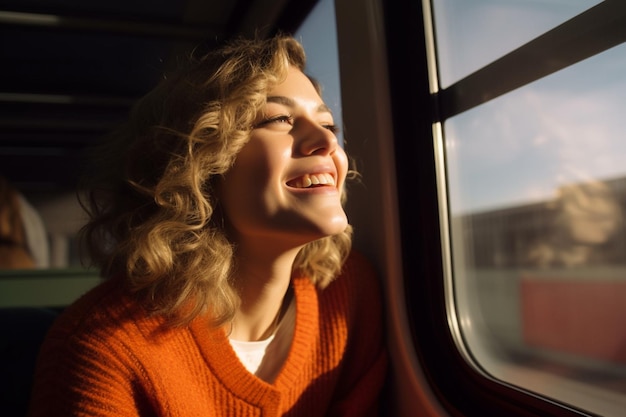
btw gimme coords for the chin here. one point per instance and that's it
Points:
(334, 228)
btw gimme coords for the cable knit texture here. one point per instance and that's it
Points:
(106, 357)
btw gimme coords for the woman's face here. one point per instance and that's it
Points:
(286, 183)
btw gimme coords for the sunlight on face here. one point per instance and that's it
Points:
(286, 183)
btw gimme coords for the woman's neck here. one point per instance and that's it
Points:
(262, 281)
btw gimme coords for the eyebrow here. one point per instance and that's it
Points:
(286, 101)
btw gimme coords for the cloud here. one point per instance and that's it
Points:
(518, 148)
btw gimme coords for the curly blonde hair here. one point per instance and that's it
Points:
(152, 202)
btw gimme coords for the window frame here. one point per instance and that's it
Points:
(418, 109)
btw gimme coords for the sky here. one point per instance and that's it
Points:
(318, 35)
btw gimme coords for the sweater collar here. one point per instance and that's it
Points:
(224, 364)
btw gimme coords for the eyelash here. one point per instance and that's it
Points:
(281, 118)
(289, 119)
(333, 128)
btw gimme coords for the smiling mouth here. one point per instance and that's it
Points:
(312, 180)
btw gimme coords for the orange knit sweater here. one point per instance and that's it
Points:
(105, 357)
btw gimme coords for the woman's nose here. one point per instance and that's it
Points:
(316, 139)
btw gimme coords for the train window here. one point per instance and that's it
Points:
(536, 192)
(472, 34)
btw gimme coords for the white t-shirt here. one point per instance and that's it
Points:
(264, 358)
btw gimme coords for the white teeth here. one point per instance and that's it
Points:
(314, 179)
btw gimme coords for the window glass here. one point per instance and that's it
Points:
(471, 34)
(318, 35)
(537, 194)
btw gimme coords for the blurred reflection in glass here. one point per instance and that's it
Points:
(586, 216)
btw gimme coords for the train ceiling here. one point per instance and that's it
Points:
(70, 69)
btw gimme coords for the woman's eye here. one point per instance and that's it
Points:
(280, 119)
(287, 119)
(333, 128)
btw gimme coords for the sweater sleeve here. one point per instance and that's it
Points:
(365, 363)
(87, 374)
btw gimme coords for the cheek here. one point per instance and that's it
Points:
(252, 177)
(262, 157)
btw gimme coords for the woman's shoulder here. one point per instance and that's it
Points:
(357, 271)
(358, 285)
(359, 263)
(106, 311)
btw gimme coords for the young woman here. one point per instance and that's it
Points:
(217, 218)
